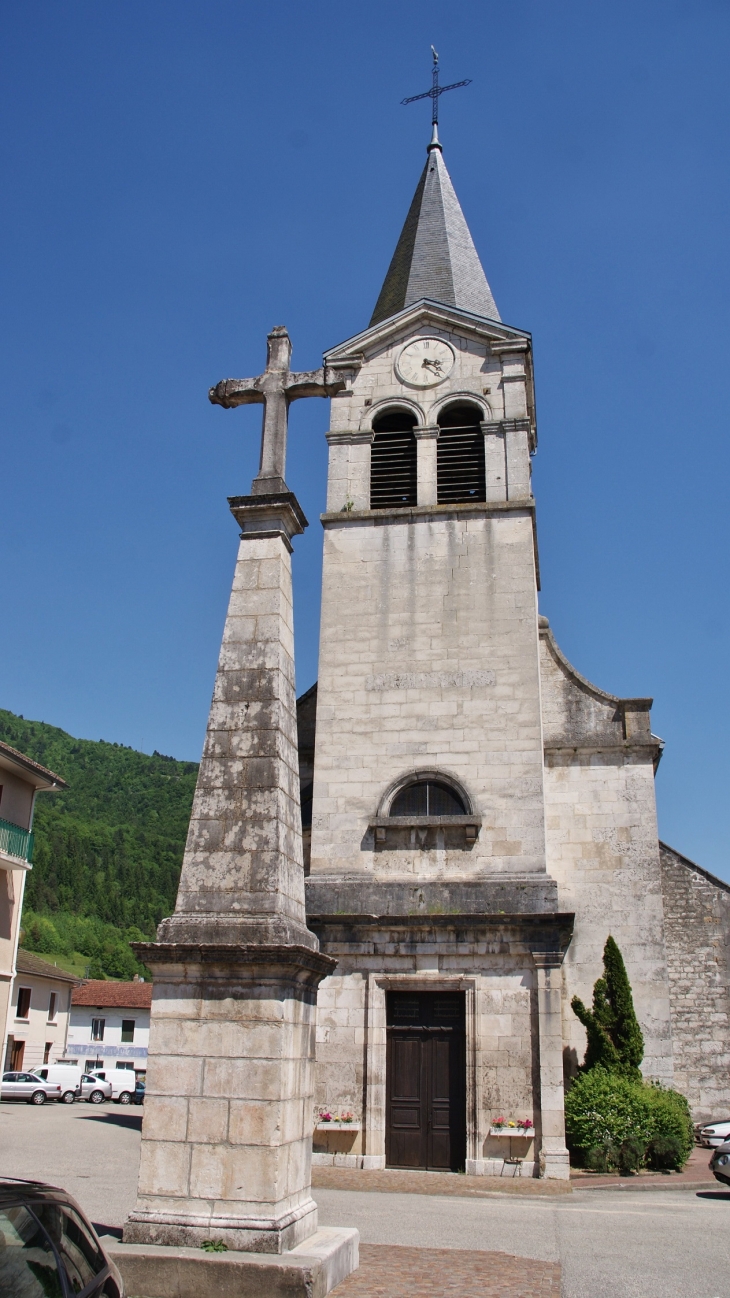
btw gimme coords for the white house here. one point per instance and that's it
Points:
(40, 1002)
(109, 1025)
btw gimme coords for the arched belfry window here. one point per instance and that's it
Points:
(460, 455)
(427, 798)
(393, 473)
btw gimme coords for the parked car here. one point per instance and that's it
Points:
(67, 1076)
(48, 1247)
(138, 1097)
(26, 1086)
(720, 1163)
(122, 1082)
(715, 1134)
(94, 1089)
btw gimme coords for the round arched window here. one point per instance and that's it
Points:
(427, 798)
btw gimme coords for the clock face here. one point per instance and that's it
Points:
(425, 362)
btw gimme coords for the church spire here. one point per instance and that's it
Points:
(435, 256)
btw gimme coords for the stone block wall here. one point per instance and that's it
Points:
(602, 848)
(697, 934)
(428, 661)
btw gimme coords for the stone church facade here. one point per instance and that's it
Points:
(478, 816)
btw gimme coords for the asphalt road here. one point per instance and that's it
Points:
(610, 1243)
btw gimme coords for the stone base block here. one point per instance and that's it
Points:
(337, 1160)
(250, 1235)
(555, 1165)
(309, 1271)
(525, 1167)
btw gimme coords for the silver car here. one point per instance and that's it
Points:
(715, 1134)
(24, 1086)
(93, 1089)
(720, 1163)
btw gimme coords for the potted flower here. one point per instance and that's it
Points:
(346, 1116)
(499, 1123)
(325, 1115)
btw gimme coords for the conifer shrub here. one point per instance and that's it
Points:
(615, 1040)
(613, 1118)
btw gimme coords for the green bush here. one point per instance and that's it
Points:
(671, 1119)
(631, 1156)
(604, 1109)
(602, 1158)
(664, 1154)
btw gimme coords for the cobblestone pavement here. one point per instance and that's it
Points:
(391, 1272)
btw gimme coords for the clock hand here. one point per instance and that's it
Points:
(430, 364)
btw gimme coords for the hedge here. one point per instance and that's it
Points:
(605, 1109)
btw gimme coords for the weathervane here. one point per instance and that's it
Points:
(434, 93)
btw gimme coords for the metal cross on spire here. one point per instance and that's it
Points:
(434, 94)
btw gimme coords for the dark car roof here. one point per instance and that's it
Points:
(13, 1190)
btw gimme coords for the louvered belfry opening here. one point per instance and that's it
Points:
(460, 456)
(393, 473)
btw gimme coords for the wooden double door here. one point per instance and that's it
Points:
(426, 1080)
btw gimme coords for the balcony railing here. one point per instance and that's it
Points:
(16, 841)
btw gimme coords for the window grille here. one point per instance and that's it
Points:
(393, 471)
(427, 798)
(460, 456)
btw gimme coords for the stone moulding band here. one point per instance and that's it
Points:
(273, 514)
(214, 1221)
(478, 509)
(186, 953)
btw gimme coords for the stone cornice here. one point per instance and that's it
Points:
(407, 513)
(278, 514)
(299, 959)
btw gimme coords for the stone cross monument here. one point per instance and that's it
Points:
(275, 388)
(226, 1147)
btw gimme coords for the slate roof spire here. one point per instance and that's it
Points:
(435, 256)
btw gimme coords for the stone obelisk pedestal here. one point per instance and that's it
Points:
(227, 1135)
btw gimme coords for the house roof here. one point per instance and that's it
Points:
(435, 255)
(39, 775)
(113, 995)
(28, 962)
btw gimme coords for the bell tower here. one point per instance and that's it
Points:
(428, 880)
(429, 635)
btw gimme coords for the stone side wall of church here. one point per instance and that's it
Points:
(602, 849)
(697, 929)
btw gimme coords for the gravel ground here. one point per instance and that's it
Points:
(611, 1244)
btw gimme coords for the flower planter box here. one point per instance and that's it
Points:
(336, 1126)
(527, 1132)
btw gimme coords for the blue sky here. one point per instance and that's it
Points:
(181, 177)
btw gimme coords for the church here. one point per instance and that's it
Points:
(478, 817)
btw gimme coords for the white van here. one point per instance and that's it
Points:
(123, 1082)
(66, 1075)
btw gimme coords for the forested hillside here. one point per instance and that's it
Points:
(109, 848)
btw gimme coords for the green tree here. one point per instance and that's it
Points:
(615, 1040)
